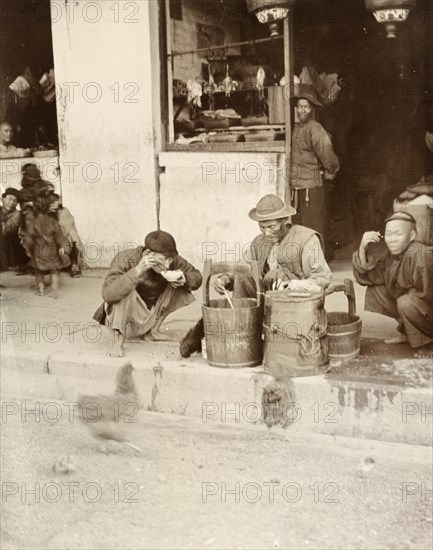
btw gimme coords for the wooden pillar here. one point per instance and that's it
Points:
(170, 61)
(288, 91)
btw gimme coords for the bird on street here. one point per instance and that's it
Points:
(112, 417)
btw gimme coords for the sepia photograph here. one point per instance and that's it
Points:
(216, 274)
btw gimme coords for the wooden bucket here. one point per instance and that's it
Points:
(344, 335)
(233, 334)
(296, 342)
(344, 329)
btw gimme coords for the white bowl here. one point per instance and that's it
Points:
(172, 275)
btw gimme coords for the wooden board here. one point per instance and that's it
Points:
(257, 146)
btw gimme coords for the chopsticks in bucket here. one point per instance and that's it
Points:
(226, 294)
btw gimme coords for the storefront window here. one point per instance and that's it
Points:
(28, 122)
(225, 78)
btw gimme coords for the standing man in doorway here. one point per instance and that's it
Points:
(312, 157)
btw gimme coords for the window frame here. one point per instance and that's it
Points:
(167, 106)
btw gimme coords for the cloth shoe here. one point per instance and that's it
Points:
(191, 343)
(75, 270)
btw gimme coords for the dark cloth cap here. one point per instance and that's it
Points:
(11, 191)
(404, 216)
(31, 171)
(162, 242)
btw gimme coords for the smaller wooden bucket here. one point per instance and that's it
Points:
(344, 329)
(344, 335)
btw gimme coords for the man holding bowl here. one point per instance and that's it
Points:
(143, 286)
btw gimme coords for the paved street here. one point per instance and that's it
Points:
(198, 485)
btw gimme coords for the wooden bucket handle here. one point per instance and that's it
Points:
(349, 290)
(210, 269)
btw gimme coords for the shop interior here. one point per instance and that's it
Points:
(27, 98)
(377, 120)
(231, 86)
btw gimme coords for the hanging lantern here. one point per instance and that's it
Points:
(390, 12)
(270, 12)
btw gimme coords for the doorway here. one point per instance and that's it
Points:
(27, 99)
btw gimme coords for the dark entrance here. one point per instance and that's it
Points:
(379, 121)
(26, 51)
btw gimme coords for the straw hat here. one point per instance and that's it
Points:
(306, 91)
(270, 207)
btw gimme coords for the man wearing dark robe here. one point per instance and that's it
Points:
(313, 160)
(400, 283)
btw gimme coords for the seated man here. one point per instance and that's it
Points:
(7, 150)
(14, 255)
(400, 283)
(285, 254)
(136, 291)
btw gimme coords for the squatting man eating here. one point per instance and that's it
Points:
(143, 286)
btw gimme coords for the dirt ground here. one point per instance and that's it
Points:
(205, 486)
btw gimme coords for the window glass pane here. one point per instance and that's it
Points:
(221, 76)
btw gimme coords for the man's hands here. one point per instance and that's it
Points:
(222, 283)
(329, 176)
(180, 282)
(369, 237)
(148, 261)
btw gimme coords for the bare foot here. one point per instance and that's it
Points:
(117, 350)
(54, 295)
(118, 339)
(39, 293)
(158, 336)
(398, 339)
(424, 352)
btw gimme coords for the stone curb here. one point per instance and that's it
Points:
(191, 388)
